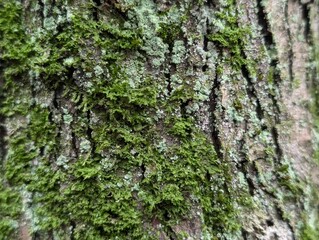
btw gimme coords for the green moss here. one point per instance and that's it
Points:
(309, 233)
(10, 208)
(230, 36)
(309, 226)
(11, 34)
(131, 168)
(169, 32)
(287, 179)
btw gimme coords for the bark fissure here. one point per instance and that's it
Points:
(265, 28)
(41, 10)
(3, 134)
(306, 18)
(89, 131)
(290, 56)
(244, 234)
(213, 101)
(251, 185)
(275, 136)
(205, 47)
(95, 10)
(252, 92)
(74, 145)
(169, 83)
(3, 131)
(270, 46)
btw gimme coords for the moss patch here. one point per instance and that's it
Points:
(133, 157)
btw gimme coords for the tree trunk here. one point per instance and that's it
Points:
(156, 119)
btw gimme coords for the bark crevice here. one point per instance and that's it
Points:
(290, 57)
(213, 102)
(306, 18)
(265, 28)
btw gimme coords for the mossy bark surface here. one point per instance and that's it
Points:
(144, 119)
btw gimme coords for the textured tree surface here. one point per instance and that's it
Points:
(156, 119)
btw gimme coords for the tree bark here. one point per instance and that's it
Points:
(155, 119)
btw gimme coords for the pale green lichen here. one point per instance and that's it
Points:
(67, 118)
(85, 145)
(179, 52)
(62, 161)
(98, 70)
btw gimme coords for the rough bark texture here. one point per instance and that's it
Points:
(155, 119)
